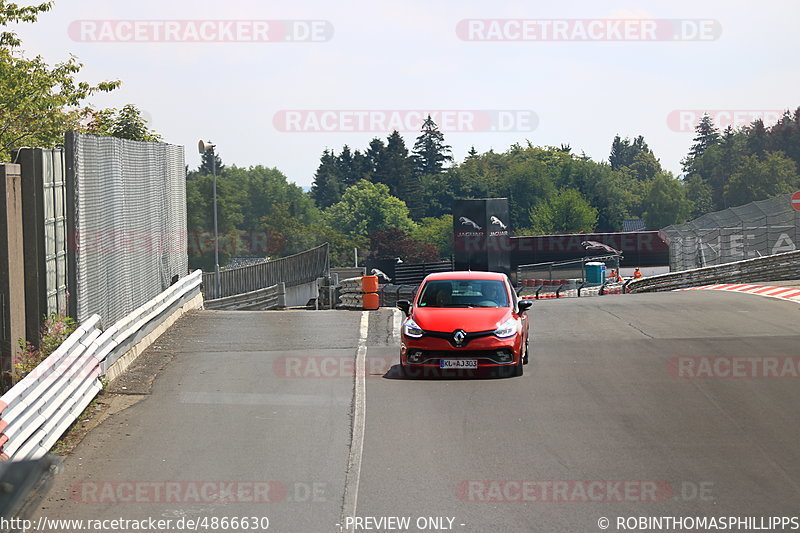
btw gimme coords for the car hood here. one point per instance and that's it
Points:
(469, 319)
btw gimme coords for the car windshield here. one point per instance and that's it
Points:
(464, 293)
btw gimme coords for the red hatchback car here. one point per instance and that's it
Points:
(465, 321)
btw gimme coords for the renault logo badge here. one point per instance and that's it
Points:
(459, 335)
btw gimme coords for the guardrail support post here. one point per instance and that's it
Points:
(625, 286)
(281, 295)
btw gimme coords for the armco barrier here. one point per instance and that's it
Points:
(35, 412)
(359, 293)
(391, 294)
(770, 268)
(260, 300)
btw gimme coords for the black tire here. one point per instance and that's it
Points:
(519, 368)
(527, 350)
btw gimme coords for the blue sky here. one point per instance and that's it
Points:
(387, 55)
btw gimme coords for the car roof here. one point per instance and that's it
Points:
(466, 275)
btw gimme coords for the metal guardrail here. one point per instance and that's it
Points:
(573, 268)
(293, 270)
(358, 293)
(260, 300)
(35, 412)
(770, 268)
(390, 294)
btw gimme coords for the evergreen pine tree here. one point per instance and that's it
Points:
(706, 134)
(375, 154)
(347, 170)
(327, 188)
(394, 167)
(624, 152)
(205, 166)
(430, 152)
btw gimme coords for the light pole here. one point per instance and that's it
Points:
(204, 147)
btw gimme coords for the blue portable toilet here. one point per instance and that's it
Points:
(595, 273)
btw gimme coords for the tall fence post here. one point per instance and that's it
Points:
(12, 265)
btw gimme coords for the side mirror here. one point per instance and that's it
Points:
(524, 305)
(405, 305)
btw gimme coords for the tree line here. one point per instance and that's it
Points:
(389, 201)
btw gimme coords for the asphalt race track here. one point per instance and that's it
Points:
(653, 405)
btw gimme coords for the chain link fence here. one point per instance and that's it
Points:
(756, 229)
(126, 201)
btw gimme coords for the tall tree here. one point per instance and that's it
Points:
(706, 135)
(362, 166)
(368, 207)
(624, 151)
(665, 202)
(761, 178)
(327, 187)
(38, 103)
(210, 164)
(375, 155)
(566, 212)
(430, 151)
(347, 172)
(126, 123)
(395, 168)
(757, 138)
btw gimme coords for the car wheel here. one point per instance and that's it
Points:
(519, 369)
(527, 350)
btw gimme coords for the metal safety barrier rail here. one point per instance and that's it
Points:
(391, 294)
(770, 268)
(359, 293)
(36, 411)
(261, 300)
(571, 268)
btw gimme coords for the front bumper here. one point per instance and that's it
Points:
(490, 351)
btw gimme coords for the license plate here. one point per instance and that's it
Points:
(458, 363)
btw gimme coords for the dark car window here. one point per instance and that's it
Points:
(464, 293)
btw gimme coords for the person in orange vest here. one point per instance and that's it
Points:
(614, 277)
(637, 274)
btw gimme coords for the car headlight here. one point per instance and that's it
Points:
(411, 329)
(507, 328)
